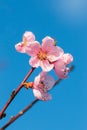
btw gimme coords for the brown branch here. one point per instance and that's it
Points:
(19, 114)
(14, 118)
(14, 93)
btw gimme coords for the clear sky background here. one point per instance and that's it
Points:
(66, 21)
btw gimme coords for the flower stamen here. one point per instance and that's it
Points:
(42, 55)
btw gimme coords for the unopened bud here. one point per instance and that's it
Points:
(28, 85)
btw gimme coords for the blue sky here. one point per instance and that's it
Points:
(66, 21)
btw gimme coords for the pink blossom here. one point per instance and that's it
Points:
(60, 66)
(28, 38)
(67, 58)
(44, 55)
(42, 84)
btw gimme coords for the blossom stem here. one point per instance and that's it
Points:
(14, 118)
(19, 114)
(14, 93)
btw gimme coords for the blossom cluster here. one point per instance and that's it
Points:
(48, 56)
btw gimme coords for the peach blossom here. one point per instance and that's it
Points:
(44, 55)
(42, 84)
(28, 38)
(60, 66)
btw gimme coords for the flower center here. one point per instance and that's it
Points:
(42, 87)
(42, 55)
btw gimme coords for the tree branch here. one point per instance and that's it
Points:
(14, 118)
(14, 93)
(19, 114)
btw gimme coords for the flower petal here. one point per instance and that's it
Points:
(20, 47)
(45, 80)
(46, 66)
(55, 53)
(47, 43)
(60, 69)
(36, 81)
(28, 36)
(41, 96)
(37, 94)
(46, 96)
(48, 82)
(67, 58)
(34, 62)
(33, 49)
(39, 78)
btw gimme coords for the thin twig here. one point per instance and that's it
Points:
(14, 93)
(19, 114)
(14, 118)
